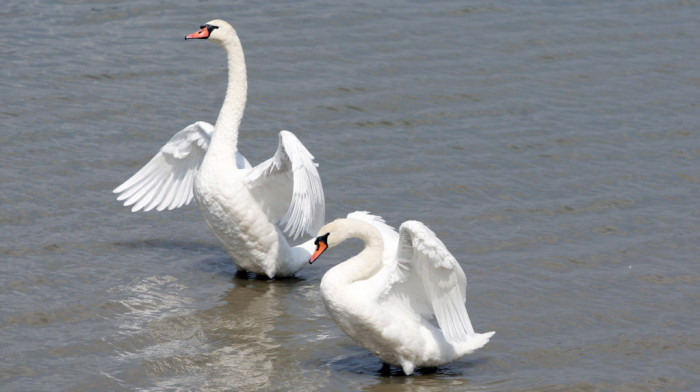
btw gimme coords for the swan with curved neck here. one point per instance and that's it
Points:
(402, 297)
(248, 209)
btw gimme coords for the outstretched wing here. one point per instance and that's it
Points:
(166, 181)
(433, 280)
(289, 188)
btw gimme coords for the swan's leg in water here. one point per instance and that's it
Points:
(385, 370)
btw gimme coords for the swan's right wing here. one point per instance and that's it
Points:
(166, 181)
(433, 280)
(289, 188)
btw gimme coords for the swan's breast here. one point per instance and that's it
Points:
(237, 220)
(389, 329)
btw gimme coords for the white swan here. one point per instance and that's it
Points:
(403, 297)
(242, 204)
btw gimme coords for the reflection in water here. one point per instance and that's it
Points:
(260, 335)
(226, 346)
(360, 363)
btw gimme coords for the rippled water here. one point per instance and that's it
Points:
(554, 148)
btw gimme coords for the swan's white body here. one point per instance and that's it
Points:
(242, 204)
(403, 297)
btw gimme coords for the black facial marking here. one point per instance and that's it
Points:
(322, 238)
(209, 28)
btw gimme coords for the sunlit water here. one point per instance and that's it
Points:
(553, 147)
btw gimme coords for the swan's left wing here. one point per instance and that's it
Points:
(289, 188)
(166, 180)
(433, 280)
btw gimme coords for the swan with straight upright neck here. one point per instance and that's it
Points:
(247, 208)
(402, 297)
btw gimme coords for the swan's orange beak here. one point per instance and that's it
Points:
(203, 32)
(321, 246)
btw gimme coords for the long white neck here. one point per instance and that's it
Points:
(225, 139)
(363, 265)
(298, 256)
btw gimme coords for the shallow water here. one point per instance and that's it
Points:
(554, 148)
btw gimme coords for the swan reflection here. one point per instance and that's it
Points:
(223, 347)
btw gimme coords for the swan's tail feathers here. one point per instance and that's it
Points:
(474, 342)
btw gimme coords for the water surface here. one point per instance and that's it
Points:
(554, 148)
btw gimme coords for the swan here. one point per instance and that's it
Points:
(402, 297)
(244, 206)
